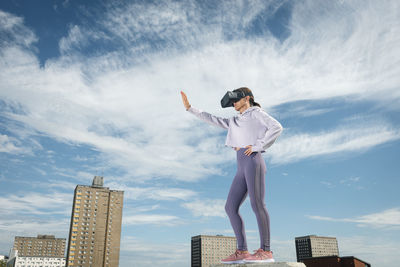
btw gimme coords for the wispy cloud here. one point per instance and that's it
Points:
(36, 203)
(294, 147)
(32, 227)
(14, 31)
(206, 207)
(388, 219)
(148, 215)
(378, 251)
(142, 252)
(303, 111)
(353, 182)
(74, 40)
(153, 192)
(151, 219)
(12, 145)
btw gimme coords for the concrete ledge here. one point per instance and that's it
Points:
(270, 264)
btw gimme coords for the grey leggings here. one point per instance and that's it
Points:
(249, 179)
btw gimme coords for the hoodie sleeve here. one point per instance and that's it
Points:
(209, 118)
(274, 129)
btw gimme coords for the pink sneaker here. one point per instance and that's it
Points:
(237, 257)
(260, 256)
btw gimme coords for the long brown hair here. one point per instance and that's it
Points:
(248, 92)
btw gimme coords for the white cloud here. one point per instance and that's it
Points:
(351, 138)
(36, 203)
(60, 184)
(74, 40)
(388, 219)
(376, 250)
(352, 182)
(12, 145)
(142, 252)
(14, 31)
(151, 219)
(182, 25)
(328, 184)
(303, 111)
(153, 192)
(207, 207)
(32, 227)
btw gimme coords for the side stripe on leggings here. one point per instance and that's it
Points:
(258, 187)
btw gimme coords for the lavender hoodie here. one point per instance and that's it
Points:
(253, 127)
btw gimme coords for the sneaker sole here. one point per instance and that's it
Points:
(255, 261)
(232, 262)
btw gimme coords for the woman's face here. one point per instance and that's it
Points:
(241, 103)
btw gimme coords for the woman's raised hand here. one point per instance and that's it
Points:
(185, 100)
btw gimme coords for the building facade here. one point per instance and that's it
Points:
(315, 246)
(95, 229)
(17, 261)
(207, 250)
(40, 246)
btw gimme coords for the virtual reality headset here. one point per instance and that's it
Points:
(232, 97)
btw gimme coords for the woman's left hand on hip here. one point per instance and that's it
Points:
(248, 151)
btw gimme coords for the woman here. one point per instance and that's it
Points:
(250, 133)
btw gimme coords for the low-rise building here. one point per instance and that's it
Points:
(36, 262)
(40, 251)
(208, 250)
(316, 246)
(335, 261)
(40, 246)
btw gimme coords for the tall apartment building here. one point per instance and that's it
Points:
(95, 230)
(40, 246)
(208, 250)
(315, 246)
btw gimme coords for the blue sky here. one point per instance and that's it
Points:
(92, 87)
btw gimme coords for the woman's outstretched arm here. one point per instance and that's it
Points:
(207, 117)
